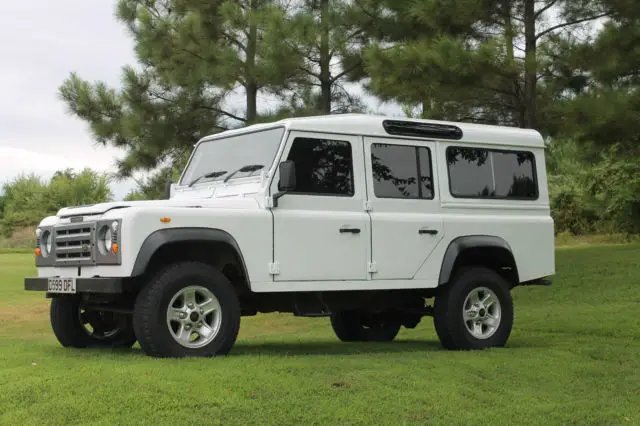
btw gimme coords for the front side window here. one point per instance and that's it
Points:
(241, 155)
(485, 173)
(323, 166)
(401, 171)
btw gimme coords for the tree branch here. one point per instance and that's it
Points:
(210, 108)
(365, 11)
(356, 33)
(311, 73)
(345, 72)
(549, 5)
(500, 91)
(234, 41)
(567, 24)
(223, 112)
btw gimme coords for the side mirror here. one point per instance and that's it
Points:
(287, 176)
(167, 189)
(287, 180)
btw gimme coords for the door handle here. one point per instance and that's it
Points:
(428, 231)
(345, 229)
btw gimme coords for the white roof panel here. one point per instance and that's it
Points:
(371, 125)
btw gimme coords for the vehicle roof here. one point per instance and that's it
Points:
(372, 125)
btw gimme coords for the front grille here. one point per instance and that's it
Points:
(73, 244)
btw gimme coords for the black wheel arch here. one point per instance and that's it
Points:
(482, 250)
(197, 235)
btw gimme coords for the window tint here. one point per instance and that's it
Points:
(323, 167)
(401, 171)
(483, 173)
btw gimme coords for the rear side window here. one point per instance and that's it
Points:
(486, 173)
(401, 171)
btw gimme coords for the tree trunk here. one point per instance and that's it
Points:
(515, 101)
(530, 65)
(251, 87)
(325, 59)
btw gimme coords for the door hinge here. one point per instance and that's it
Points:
(274, 268)
(367, 206)
(268, 202)
(371, 267)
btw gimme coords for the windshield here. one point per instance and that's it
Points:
(214, 159)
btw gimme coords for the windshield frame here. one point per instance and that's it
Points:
(235, 133)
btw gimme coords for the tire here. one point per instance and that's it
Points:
(108, 330)
(209, 305)
(351, 326)
(455, 303)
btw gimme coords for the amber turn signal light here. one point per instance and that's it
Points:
(38, 251)
(165, 219)
(114, 248)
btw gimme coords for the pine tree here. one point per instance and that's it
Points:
(328, 36)
(193, 55)
(476, 60)
(606, 112)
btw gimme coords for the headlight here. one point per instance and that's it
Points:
(46, 243)
(105, 240)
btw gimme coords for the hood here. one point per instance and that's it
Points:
(100, 208)
(234, 196)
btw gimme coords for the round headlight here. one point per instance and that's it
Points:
(46, 243)
(105, 240)
(108, 239)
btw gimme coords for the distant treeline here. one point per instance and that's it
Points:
(28, 199)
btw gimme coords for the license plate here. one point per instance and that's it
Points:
(62, 285)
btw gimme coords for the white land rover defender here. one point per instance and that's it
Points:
(360, 218)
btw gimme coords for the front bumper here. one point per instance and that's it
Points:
(83, 285)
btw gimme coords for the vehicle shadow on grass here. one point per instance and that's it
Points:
(333, 348)
(323, 348)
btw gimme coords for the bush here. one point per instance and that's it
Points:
(616, 188)
(593, 193)
(27, 199)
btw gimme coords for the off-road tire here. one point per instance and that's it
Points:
(349, 326)
(149, 317)
(448, 309)
(67, 326)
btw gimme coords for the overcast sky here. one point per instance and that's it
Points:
(40, 43)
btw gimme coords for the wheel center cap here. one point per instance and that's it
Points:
(194, 316)
(482, 312)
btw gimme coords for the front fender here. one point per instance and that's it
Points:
(162, 237)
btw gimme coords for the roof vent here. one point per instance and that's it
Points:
(422, 130)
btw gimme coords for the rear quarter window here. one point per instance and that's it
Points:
(491, 173)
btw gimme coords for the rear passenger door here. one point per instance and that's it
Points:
(402, 193)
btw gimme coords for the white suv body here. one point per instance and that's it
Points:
(317, 216)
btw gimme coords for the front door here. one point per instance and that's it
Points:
(321, 230)
(405, 211)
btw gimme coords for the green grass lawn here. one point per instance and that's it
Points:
(573, 358)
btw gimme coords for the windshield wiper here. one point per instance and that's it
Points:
(207, 175)
(247, 168)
